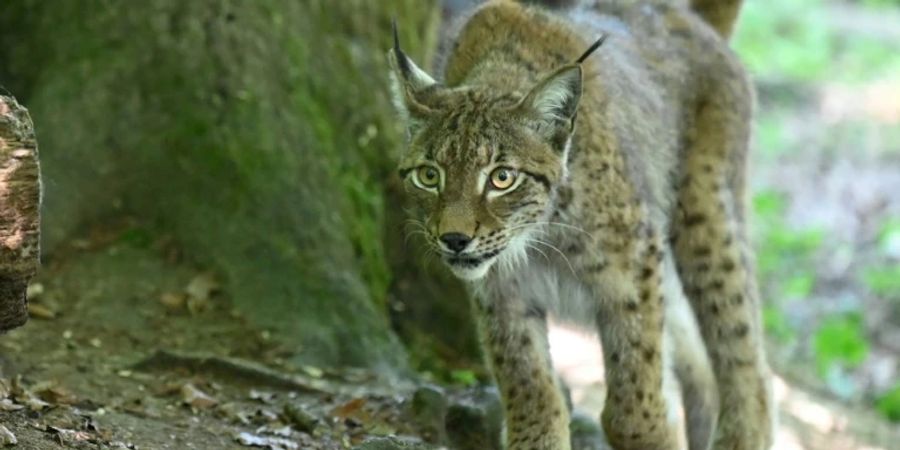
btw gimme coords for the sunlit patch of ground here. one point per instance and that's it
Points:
(808, 421)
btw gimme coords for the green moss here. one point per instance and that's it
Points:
(235, 127)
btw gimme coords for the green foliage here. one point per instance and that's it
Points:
(840, 340)
(883, 281)
(889, 404)
(137, 236)
(796, 40)
(769, 205)
(782, 250)
(785, 258)
(890, 231)
(772, 137)
(795, 242)
(882, 3)
(785, 38)
(864, 58)
(799, 285)
(777, 325)
(464, 377)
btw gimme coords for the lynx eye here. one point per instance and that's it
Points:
(502, 178)
(428, 177)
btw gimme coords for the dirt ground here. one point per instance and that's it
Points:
(154, 358)
(86, 371)
(129, 346)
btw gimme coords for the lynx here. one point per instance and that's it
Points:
(608, 190)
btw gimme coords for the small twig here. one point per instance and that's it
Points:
(234, 369)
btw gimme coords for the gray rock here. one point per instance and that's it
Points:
(428, 411)
(476, 421)
(393, 443)
(587, 434)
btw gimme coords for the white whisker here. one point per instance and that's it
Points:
(528, 244)
(556, 224)
(563, 255)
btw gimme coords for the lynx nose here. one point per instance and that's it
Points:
(455, 241)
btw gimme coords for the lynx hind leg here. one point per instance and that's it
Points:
(690, 362)
(715, 263)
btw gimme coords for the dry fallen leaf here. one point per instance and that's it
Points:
(202, 286)
(197, 305)
(233, 413)
(33, 403)
(88, 424)
(274, 443)
(8, 405)
(299, 418)
(39, 311)
(284, 431)
(262, 396)
(264, 415)
(34, 290)
(65, 434)
(349, 409)
(25, 397)
(313, 371)
(196, 398)
(6, 437)
(53, 394)
(173, 301)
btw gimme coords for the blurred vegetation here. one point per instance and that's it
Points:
(799, 40)
(796, 50)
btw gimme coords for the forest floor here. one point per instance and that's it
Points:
(155, 358)
(131, 347)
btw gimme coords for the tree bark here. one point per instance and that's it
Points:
(20, 200)
(259, 134)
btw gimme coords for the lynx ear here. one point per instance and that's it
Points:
(550, 108)
(407, 83)
(552, 104)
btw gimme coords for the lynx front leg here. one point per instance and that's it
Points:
(637, 414)
(515, 339)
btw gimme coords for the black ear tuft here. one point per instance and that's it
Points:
(408, 82)
(587, 53)
(396, 36)
(402, 60)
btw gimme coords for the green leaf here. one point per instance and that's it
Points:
(890, 231)
(889, 404)
(777, 324)
(464, 377)
(138, 237)
(797, 242)
(799, 286)
(883, 281)
(840, 340)
(768, 204)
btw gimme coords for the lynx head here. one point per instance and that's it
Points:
(481, 165)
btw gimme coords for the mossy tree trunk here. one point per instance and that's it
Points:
(258, 134)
